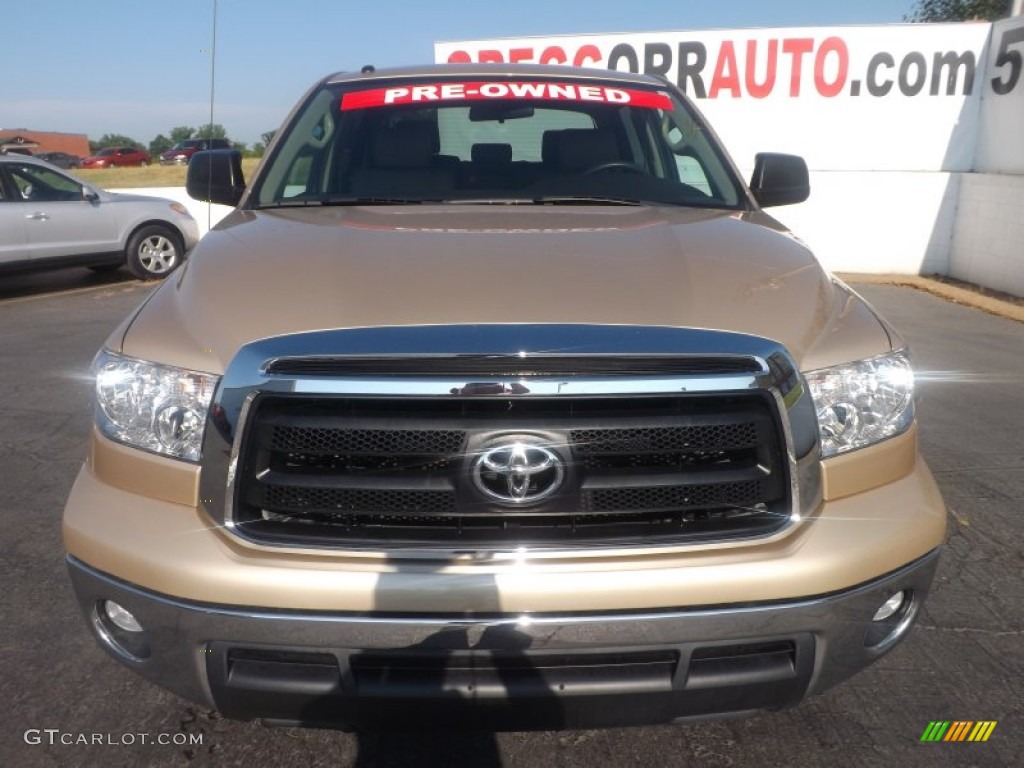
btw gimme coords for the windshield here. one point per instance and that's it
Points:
(502, 141)
(105, 152)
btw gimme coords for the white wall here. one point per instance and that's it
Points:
(988, 236)
(877, 221)
(988, 239)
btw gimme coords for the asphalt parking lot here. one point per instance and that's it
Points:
(964, 661)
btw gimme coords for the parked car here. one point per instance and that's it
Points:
(49, 220)
(182, 152)
(500, 401)
(60, 159)
(113, 157)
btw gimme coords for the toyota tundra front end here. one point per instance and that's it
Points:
(499, 402)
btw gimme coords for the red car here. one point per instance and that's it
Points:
(112, 157)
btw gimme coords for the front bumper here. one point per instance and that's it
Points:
(504, 671)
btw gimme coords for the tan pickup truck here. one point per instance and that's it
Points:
(499, 402)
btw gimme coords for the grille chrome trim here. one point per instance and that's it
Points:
(247, 377)
(500, 365)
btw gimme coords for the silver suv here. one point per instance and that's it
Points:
(49, 219)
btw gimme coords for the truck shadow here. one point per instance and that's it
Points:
(450, 690)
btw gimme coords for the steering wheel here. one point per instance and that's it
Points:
(613, 165)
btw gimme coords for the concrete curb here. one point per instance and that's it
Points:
(968, 294)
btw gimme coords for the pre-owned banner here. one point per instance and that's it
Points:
(904, 97)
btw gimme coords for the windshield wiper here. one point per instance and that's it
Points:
(375, 200)
(547, 200)
(586, 200)
(323, 201)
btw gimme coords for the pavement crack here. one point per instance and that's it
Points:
(978, 630)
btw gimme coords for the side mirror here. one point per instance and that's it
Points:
(215, 176)
(90, 195)
(779, 179)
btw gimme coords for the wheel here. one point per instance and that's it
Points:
(613, 165)
(153, 252)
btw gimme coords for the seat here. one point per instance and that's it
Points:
(490, 168)
(401, 164)
(577, 149)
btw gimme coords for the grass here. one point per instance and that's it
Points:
(155, 175)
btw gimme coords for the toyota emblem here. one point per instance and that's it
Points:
(518, 473)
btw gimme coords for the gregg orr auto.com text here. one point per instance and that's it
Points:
(790, 66)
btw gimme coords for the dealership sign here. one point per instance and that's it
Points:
(895, 97)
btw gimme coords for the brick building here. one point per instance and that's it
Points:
(43, 141)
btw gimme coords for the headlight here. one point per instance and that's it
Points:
(863, 402)
(157, 408)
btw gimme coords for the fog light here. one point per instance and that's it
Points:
(120, 631)
(889, 607)
(891, 621)
(121, 616)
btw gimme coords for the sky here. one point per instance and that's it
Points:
(139, 68)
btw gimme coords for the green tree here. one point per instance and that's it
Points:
(958, 10)
(257, 149)
(267, 137)
(211, 131)
(159, 144)
(180, 133)
(113, 140)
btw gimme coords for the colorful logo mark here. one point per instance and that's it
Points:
(958, 730)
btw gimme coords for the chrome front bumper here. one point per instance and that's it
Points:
(508, 672)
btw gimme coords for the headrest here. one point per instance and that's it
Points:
(405, 145)
(492, 154)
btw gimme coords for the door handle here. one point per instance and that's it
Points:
(37, 216)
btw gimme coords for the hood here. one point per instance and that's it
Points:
(267, 273)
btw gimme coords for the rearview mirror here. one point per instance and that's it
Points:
(493, 111)
(779, 179)
(215, 176)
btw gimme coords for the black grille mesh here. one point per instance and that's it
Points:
(366, 441)
(673, 497)
(713, 437)
(285, 499)
(374, 472)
